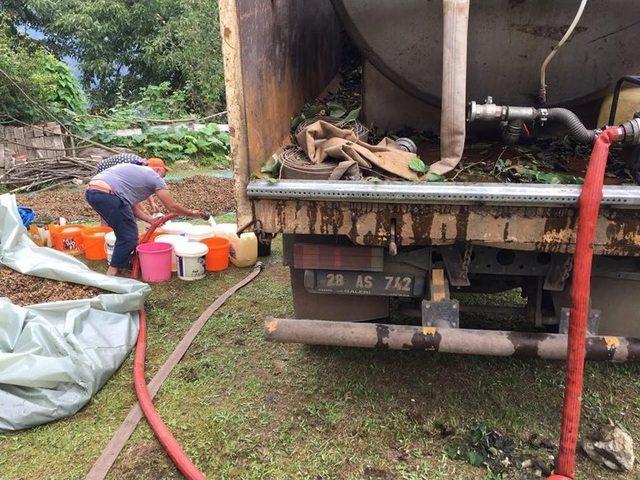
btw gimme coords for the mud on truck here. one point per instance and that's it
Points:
(501, 102)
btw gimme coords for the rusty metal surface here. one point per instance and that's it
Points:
(231, 56)
(290, 51)
(446, 340)
(277, 55)
(537, 228)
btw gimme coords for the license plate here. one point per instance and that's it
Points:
(362, 283)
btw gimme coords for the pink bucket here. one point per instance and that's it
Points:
(155, 261)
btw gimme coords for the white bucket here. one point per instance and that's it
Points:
(172, 240)
(176, 228)
(196, 233)
(109, 243)
(191, 260)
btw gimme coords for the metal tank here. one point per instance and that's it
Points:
(507, 43)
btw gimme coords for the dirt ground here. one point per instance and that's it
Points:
(209, 194)
(27, 290)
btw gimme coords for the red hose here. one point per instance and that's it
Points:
(588, 209)
(162, 433)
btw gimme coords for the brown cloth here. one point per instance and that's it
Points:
(321, 140)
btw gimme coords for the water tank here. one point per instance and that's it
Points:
(508, 40)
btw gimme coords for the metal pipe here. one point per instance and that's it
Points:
(512, 114)
(511, 132)
(500, 343)
(486, 309)
(542, 93)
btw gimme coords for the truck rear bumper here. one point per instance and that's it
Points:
(446, 340)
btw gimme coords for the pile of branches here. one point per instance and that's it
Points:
(45, 173)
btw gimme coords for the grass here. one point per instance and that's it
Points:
(245, 408)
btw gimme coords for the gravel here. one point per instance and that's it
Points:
(212, 195)
(27, 290)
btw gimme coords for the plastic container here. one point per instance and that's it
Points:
(69, 239)
(191, 260)
(195, 233)
(93, 241)
(109, 243)
(218, 256)
(156, 233)
(54, 230)
(227, 230)
(36, 236)
(243, 251)
(176, 228)
(155, 261)
(173, 240)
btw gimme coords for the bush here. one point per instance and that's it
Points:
(44, 78)
(208, 146)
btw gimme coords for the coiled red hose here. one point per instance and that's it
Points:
(588, 209)
(162, 433)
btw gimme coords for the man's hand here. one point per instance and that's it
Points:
(153, 206)
(142, 214)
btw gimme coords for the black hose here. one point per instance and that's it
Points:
(577, 130)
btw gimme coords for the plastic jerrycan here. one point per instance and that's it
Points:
(243, 249)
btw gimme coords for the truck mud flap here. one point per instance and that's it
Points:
(446, 340)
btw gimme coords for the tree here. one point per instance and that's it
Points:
(27, 69)
(125, 45)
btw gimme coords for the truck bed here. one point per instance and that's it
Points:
(538, 217)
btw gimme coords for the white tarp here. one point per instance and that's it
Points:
(55, 356)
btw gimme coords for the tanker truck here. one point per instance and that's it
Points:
(375, 263)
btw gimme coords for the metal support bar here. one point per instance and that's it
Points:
(440, 311)
(500, 194)
(446, 340)
(457, 270)
(593, 321)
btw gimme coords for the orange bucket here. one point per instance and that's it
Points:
(93, 241)
(69, 239)
(157, 232)
(218, 256)
(54, 230)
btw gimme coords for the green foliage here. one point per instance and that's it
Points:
(330, 109)
(153, 103)
(529, 170)
(481, 445)
(271, 169)
(45, 79)
(351, 117)
(122, 46)
(208, 146)
(434, 177)
(417, 165)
